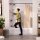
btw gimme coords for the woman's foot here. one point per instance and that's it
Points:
(20, 34)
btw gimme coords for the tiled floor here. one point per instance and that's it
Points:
(25, 37)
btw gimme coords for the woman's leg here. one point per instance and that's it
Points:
(20, 28)
(16, 24)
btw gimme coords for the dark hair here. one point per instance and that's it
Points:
(18, 9)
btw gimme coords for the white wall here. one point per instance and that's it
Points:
(21, 1)
(5, 10)
(34, 17)
(35, 12)
(0, 8)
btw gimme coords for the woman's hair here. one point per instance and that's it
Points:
(18, 9)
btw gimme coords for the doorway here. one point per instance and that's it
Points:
(26, 17)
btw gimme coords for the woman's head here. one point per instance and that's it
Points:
(18, 9)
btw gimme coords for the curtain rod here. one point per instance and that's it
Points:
(20, 3)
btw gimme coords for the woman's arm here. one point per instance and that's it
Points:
(14, 13)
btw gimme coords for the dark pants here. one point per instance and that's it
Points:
(18, 23)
